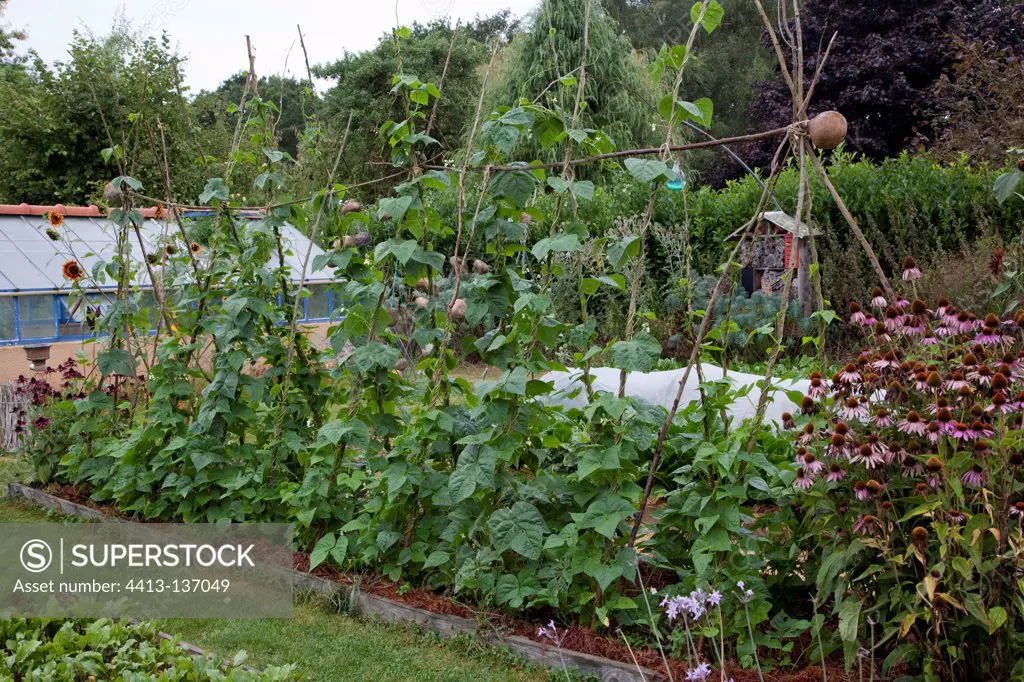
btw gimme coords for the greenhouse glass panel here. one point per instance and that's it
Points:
(36, 317)
(8, 331)
(318, 304)
(79, 315)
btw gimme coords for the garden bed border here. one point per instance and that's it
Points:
(392, 611)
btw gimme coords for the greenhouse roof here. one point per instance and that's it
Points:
(30, 261)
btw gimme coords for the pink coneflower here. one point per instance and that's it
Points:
(835, 473)
(910, 271)
(981, 430)
(818, 388)
(838, 447)
(974, 477)
(886, 361)
(810, 463)
(950, 316)
(940, 306)
(893, 319)
(944, 418)
(934, 432)
(982, 375)
(955, 381)
(1000, 404)
(853, 409)
(928, 338)
(803, 481)
(933, 382)
(869, 457)
(1017, 509)
(861, 492)
(882, 418)
(944, 331)
(901, 302)
(957, 516)
(866, 525)
(912, 424)
(940, 403)
(857, 315)
(806, 434)
(988, 337)
(850, 374)
(877, 299)
(960, 431)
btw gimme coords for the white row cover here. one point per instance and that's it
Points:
(31, 262)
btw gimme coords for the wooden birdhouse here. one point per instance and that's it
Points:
(768, 255)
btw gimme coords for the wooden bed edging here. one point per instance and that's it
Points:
(392, 611)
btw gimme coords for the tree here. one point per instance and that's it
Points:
(292, 98)
(618, 90)
(8, 37)
(885, 64)
(364, 89)
(115, 92)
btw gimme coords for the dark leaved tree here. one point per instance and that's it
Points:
(884, 66)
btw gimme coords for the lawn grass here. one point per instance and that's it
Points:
(331, 646)
(324, 644)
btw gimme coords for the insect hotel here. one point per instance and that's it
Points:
(767, 256)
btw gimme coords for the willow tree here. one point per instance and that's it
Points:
(617, 87)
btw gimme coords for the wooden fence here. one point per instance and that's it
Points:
(11, 405)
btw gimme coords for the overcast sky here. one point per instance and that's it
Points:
(211, 33)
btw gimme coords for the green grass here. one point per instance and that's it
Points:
(331, 646)
(326, 645)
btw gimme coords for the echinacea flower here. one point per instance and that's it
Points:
(910, 271)
(989, 337)
(861, 492)
(955, 381)
(835, 473)
(1017, 509)
(812, 464)
(981, 429)
(853, 409)
(878, 299)
(850, 374)
(56, 219)
(72, 270)
(803, 481)
(974, 477)
(866, 525)
(857, 315)
(912, 424)
(957, 516)
(882, 418)
(817, 389)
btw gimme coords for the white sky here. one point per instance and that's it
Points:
(211, 33)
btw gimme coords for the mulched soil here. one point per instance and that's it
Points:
(575, 637)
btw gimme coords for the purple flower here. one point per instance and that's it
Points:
(974, 477)
(699, 674)
(912, 424)
(835, 473)
(715, 598)
(803, 481)
(551, 632)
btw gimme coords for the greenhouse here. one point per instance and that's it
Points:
(36, 305)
